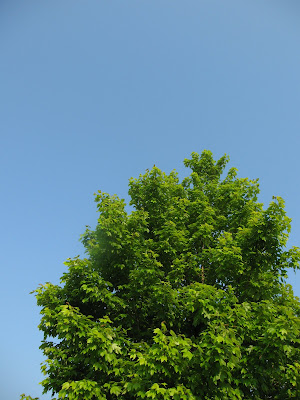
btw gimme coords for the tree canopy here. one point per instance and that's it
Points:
(184, 297)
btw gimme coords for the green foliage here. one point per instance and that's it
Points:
(23, 397)
(183, 298)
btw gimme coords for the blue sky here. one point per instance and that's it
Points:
(94, 92)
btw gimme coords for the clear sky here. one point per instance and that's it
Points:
(93, 92)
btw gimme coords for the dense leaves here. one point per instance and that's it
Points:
(183, 298)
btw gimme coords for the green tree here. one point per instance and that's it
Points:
(183, 298)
